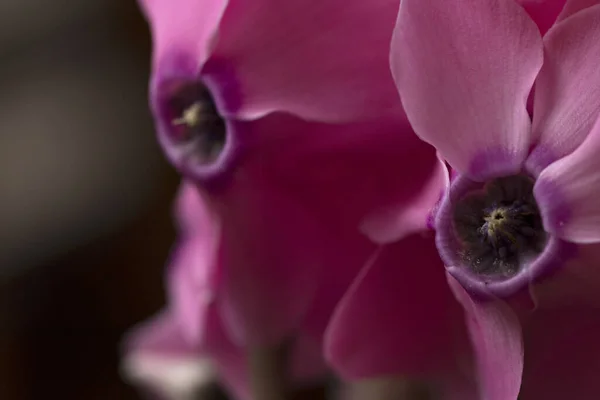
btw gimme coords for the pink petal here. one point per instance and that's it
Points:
(574, 6)
(327, 60)
(398, 317)
(464, 70)
(562, 357)
(182, 29)
(496, 336)
(229, 359)
(543, 12)
(160, 334)
(161, 360)
(342, 267)
(271, 253)
(193, 214)
(191, 284)
(193, 270)
(352, 179)
(565, 106)
(576, 284)
(393, 224)
(567, 192)
(291, 215)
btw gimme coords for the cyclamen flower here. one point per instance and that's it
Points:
(285, 116)
(180, 349)
(292, 138)
(521, 217)
(418, 330)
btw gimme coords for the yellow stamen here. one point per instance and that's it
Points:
(495, 222)
(191, 116)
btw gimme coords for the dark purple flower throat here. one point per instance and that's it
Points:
(193, 123)
(499, 228)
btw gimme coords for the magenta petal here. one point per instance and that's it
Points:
(562, 357)
(567, 192)
(576, 284)
(567, 88)
(393, 224)
(182, 28)
(270, 251)
(398, 317)
(496, 336)
(324, 60)
(543, 12)
(574, 6)
(374, 181)
(464, 70)
(293, 198)
(229, 359)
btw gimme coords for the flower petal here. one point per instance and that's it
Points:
(543, 12)
(394, 223)
(193, 270)
(230, 360)
(464, 70)
(325, 60)
(573, 6)
(193, 214)
(160, 359)
(182, 30)
(354, 179)
(576, 284)
(565, 105)
(562, 360)
(292, 211)
(271, 253)
(160, 334)
(567, 192)
(496, 336)
(398, 317)
(191, 285)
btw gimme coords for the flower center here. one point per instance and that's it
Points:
(194, 123)
(499, 226)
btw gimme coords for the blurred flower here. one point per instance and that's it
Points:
(285, 116)
(521, 217)
(185, 348)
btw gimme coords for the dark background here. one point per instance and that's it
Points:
(85, 196)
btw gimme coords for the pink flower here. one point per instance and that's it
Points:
(520, 221)
(181, 348)
(285, 116)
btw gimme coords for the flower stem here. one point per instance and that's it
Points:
(268, 367)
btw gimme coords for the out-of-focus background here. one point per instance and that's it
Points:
(85, 196)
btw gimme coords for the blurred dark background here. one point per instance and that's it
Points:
(85, 196)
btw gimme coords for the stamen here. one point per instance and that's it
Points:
(192, 116)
